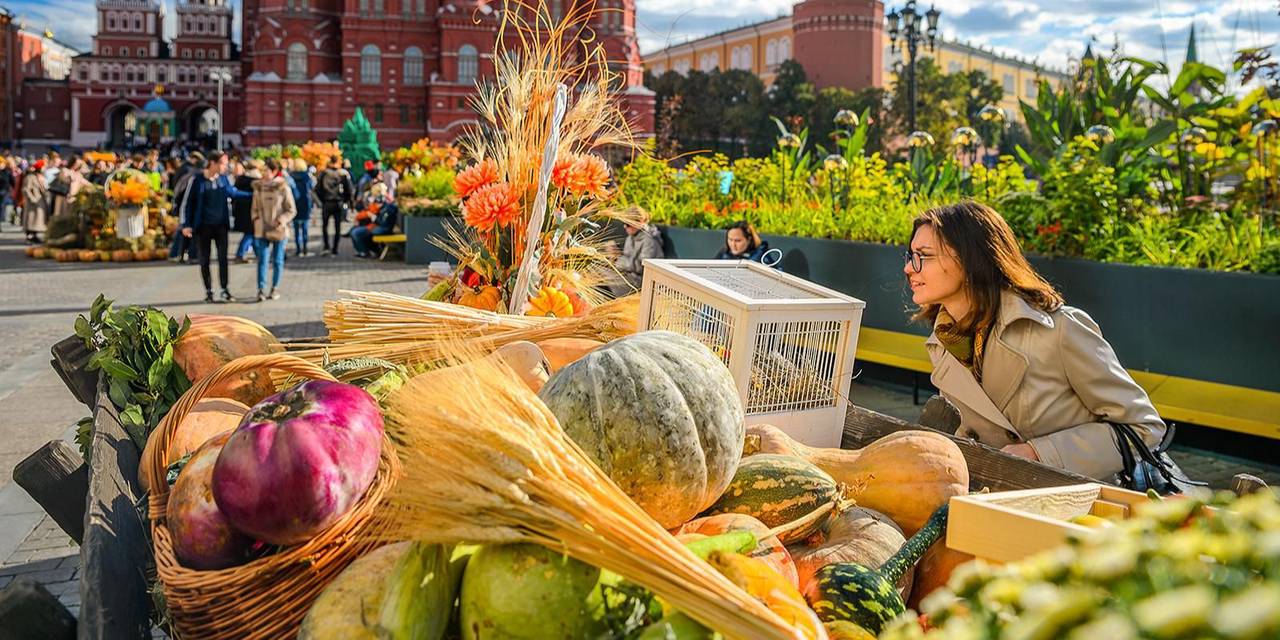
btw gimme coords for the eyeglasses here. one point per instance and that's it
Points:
(915, 259)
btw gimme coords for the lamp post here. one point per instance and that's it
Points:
(912, 32)
(221, 76)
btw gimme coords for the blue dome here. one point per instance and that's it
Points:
(157, 105)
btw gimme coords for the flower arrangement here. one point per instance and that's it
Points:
(129, 189)
(424, 155)
(534, 193)
(319, 154)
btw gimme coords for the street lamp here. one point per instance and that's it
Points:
(912, 35)
(221, 76)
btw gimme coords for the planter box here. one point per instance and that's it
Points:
(418, 249)
(1191, 323)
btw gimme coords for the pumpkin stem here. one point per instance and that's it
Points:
(911, 552)
(811, 522)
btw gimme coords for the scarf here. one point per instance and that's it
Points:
(966, 347)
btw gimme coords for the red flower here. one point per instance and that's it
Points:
(560, 171)
(589, 175)
(475, 177)
(492, 205)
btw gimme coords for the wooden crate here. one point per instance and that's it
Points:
(1011, 525)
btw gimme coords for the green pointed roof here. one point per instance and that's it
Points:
(1191, 46)
(359, 141)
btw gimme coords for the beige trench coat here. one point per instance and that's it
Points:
(1050, 380)
(273, 209)
(35, 203)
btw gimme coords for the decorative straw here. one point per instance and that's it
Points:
(486, 461)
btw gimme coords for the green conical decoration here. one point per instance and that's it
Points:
(359, 142)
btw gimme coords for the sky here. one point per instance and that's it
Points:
(1051, 32)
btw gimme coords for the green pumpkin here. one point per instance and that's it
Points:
(776, 489)
(869, 597)
(660, 414)
(527, 592)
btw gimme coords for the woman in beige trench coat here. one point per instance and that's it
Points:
(35, 202)
(1028, 374)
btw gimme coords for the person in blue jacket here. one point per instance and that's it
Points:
(206, 216)
(741, 242)
(303, 183)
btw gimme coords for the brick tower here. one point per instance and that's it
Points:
(840, 42)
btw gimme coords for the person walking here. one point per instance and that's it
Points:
(334, 191)
(303, 185)
(35, 202)
(182, 249)
(273, 211)
(207, 218)
(6, 190)
(242, 210)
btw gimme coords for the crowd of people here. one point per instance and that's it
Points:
(268, 201)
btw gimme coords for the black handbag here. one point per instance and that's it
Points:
(1149, 468)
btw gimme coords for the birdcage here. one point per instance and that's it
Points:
(788, 342)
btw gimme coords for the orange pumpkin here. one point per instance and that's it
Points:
(768, 549)
(88, 255)
(561, 352)
(213, 341)
(142, 255)
(31, 251)
(934, 571)
(122, 255)
(486, 298)
(210, 417)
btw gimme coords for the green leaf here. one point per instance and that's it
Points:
(118, 391)
(159, 370)
(132, 415)
(84, 331)
(117, 369)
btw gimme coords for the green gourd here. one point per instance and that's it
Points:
(869, 597)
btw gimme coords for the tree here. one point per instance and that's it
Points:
(791, 95)
(943, 101)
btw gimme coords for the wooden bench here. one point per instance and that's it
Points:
(389, 240)
(1223, 406)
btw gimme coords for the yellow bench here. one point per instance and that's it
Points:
(1252, 411)
(388, 240)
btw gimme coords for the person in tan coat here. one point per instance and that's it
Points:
(273, 211)
(35, 202)
(1029, 375)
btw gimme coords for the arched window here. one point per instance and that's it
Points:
(771, 53)
(137, 22)
(364, 7)
(748, 57)
(370, 65)
(468, 64)
(413, 66)
(784, 50)
(297, 61)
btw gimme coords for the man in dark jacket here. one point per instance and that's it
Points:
(334, 191)
(182, 249)
(207, 217)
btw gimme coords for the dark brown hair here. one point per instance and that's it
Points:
(749, 232)
(984, 245)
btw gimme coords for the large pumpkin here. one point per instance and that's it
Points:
(213, 341)
(660, 414)
(210, 417)
(856, 535)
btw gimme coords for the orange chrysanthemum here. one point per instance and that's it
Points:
(589, 175)
(475, 177)
(560, 171)
(492, 205)
(551, 302)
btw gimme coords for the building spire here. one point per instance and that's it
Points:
(1191, 45)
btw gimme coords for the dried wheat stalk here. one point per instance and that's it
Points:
(486, 461)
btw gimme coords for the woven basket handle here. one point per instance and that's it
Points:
(158, 461)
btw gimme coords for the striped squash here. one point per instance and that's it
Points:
(777, 490)
(869, 597)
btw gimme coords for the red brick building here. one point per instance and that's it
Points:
(33, 77)
(410, 64)
(131, 61)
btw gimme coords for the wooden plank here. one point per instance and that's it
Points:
(70, 359)
(57, 478)
(988, 467)
(114, 558)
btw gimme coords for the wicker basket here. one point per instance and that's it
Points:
(266, 598)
